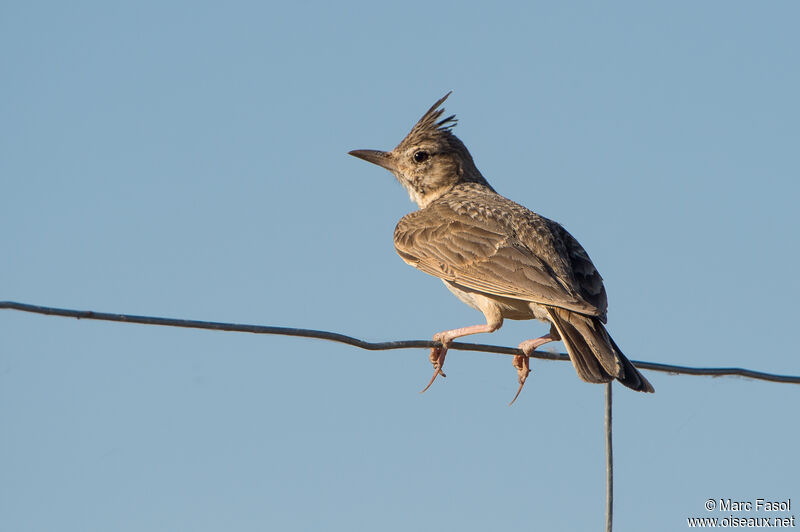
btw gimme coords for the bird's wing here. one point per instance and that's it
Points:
(588, 280)
(481, 254)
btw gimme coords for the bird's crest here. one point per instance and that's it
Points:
(428, 123)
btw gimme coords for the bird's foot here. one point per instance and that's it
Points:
(523, 365)
(437, 359)
(523, 362)
(446, 337)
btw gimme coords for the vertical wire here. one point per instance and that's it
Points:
(609, 462)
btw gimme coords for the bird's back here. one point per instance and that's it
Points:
(487, 241)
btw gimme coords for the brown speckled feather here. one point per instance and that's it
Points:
(487, 243)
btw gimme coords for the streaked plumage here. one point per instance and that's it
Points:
(497, 256)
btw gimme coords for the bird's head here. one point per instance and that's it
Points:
(430, 161)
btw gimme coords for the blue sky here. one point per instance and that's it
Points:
(189, 160)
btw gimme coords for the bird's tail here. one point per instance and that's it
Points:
(593, 352)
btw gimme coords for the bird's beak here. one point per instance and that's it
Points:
(381, 158)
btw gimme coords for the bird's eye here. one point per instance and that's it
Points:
(421, 156)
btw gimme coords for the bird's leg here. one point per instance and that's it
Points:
(446, 337)
(523, 362)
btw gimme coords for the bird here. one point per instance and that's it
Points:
(497, 256)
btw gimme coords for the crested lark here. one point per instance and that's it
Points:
(497, 256)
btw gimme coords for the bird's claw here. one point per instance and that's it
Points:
(522, 363)
(437, 359)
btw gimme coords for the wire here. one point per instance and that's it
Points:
(406, 344)
(609, 461)
(372, 346)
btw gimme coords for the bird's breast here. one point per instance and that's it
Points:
(508, 308)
